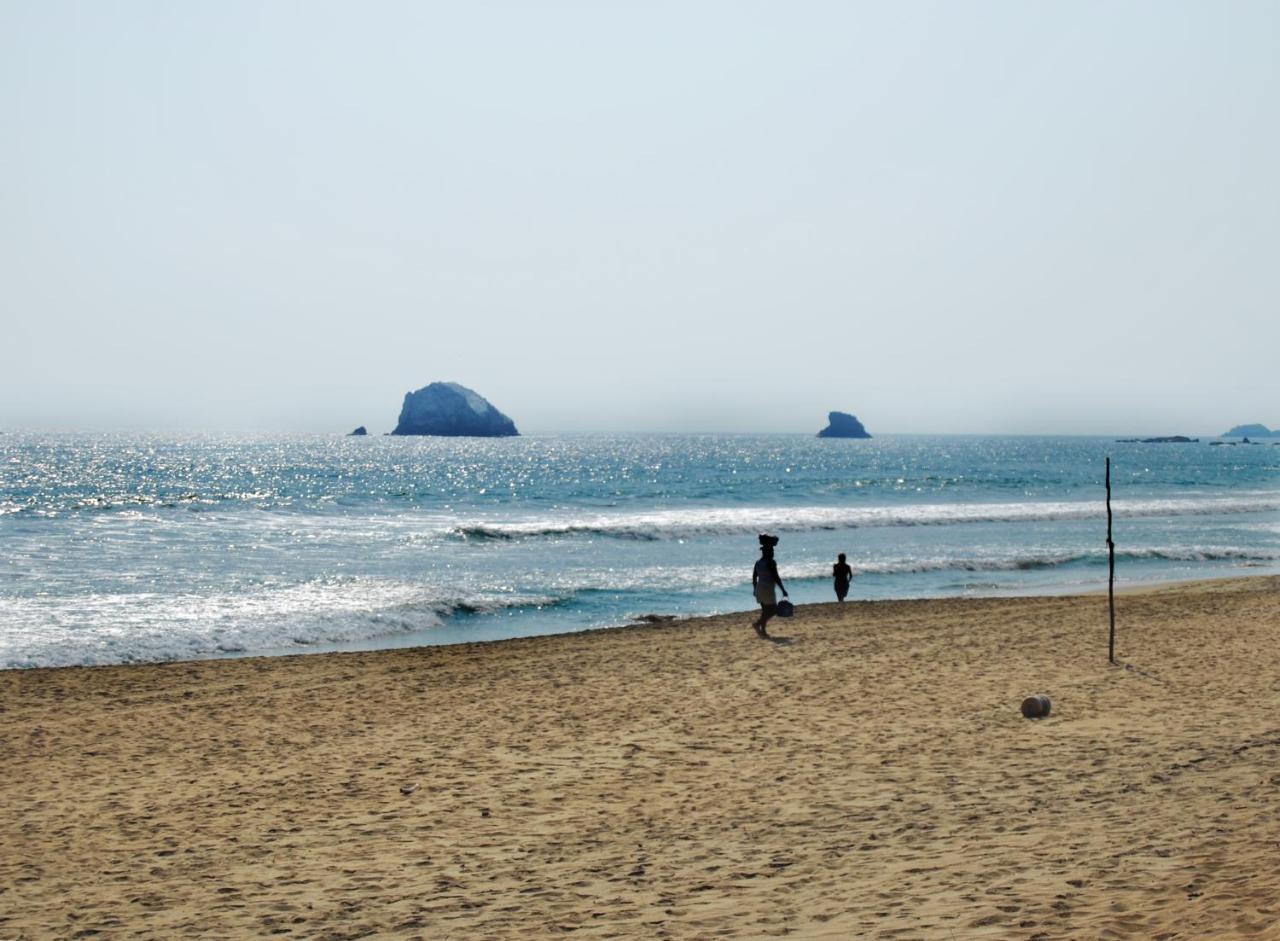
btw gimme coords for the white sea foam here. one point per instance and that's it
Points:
(677, 524)
(138, 627)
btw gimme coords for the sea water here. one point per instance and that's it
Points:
(124, 548)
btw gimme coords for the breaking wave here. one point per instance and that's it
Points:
(682, 524)
(1034, 561)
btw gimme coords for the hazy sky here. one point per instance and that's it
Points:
(968, 217)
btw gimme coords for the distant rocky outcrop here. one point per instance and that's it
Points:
(1252, 431)
(446, 408)
(1170, 439)
(843, 425)
(359, 432)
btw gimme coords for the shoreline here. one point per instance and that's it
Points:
(866, 775)
(421, 639)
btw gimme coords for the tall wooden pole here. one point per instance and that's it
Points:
(1111, 579)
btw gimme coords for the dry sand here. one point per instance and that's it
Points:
(870, 776)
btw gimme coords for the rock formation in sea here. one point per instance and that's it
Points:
(359, 432)
(1252, 431)
(1170, 439)
(446, 408)
(843, 425)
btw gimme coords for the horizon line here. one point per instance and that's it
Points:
(1274, 432)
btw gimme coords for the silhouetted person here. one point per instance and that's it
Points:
(843, 575)
(764, 580)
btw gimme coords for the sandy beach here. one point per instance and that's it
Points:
(867, 775)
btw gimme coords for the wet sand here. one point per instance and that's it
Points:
(867, 775)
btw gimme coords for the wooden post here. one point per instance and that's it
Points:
(1111, 580)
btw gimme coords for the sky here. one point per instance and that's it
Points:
(981, 217)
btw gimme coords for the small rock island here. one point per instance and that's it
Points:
(1168, 439)
(843, 425)
(446, 408)
(359, 432)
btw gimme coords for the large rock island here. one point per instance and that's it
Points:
(446, 408)
(1252, 431)
(843, 425)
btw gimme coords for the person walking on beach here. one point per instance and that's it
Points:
(764, 579)
(842, 574)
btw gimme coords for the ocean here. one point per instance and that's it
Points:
(119, 548)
